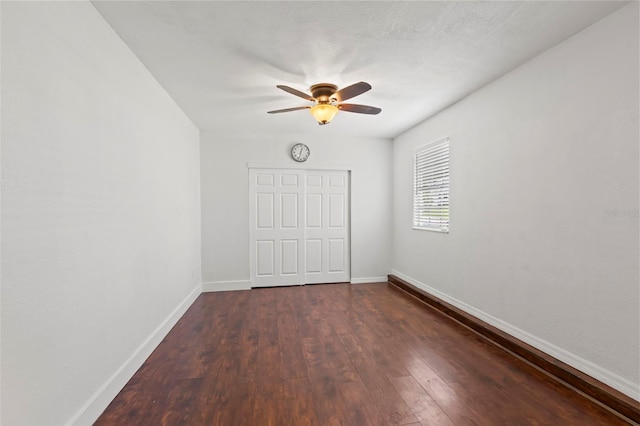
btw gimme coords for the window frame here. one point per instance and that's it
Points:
(435, 148)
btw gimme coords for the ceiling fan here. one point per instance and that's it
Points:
(328, 100)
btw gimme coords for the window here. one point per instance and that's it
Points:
(431, 187)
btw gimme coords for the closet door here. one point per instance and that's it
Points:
(299, 227)
(326, 226)
(276, 206)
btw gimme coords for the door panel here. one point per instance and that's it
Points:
(336, 211)
(314, 256)
(336, 255)
(289, 210)
(327, 195)
(264, 179)
(289, 257)
(266, 258)
(289, 180)
(265, 210)
(314, 180)
(336, 181)
(314, 210)
(276, 215)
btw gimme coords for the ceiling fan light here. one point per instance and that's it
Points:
(324, 113)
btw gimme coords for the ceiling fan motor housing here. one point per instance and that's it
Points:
(323, 92)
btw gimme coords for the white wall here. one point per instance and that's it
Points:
(225, 199)
(100, 213)
(538, 158)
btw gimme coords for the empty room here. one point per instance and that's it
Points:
(320, 213)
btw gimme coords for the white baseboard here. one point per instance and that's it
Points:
(246, 285)
(617, 382)
(97, 403)
(226, 286)
(369, 280)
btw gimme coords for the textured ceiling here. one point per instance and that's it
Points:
(221, 61)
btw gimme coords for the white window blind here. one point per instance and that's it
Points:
(431, 187)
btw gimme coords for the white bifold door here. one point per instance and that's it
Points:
(299, 226)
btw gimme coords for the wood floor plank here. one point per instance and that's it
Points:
(304, 322)
(246, 351)
(426, 410)
(444, 395)
(299, 402)
(384, 355)
(330, 407)
(292, 360)
(337, 355)
(392, 407)
(324, 384)
(362, 409)
(181, 403)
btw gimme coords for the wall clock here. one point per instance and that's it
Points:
(300, 152)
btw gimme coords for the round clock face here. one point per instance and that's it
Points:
(300, 152)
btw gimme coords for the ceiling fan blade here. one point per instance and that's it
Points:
(351, 91)
(295, 92)
(361, 109)
(278, 111)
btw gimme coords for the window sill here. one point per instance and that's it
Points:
(442, 231)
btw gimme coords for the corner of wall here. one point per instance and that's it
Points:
(100, 400)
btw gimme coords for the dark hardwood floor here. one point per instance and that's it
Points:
(337, 355)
